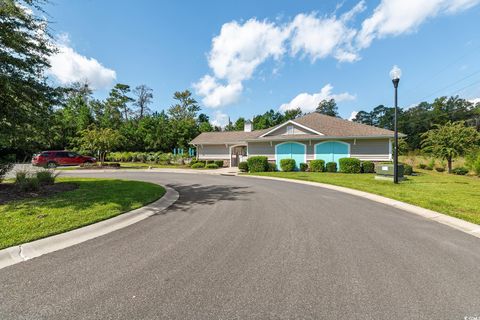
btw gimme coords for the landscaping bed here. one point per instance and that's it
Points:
(457, 196)
(10, 192)
(56, 211)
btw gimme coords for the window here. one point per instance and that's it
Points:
(61, 155)
(72, 155)
(289, 129)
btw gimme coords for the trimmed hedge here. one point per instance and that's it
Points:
(303, 167)
(211, 166)
(317, 165)
(272, 167)
(368, 167)
(257, 164)
(243, 166)
(460, 171)
(219, 163)
(198, 165)
(331, 167)
(407, 170)
(350, 165)
(287, 165)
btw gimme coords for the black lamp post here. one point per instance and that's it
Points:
(395, 74)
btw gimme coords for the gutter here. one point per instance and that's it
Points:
(298, 137)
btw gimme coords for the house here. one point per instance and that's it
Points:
(313, 136)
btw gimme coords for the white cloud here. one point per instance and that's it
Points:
(352, 115)
(68, 66)
(309, 102)
(215, 94)
(236, 52)
(220, 119)
(475, 100)
(240, 48)
(321, 37)
(395, 17)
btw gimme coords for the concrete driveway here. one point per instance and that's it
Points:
(241, 248)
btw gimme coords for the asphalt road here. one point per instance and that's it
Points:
(240, 248)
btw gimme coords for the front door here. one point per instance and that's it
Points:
(237, 155)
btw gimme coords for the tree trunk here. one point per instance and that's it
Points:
(449, 160)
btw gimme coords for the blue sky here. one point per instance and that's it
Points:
(240, 58)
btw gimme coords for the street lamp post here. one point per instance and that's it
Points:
(395, 74)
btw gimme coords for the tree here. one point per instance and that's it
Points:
(204, 123)
(328, 107)
(182, 117)
(26, 99)
(268, 119)
(293, 114)
(450, 141)
(239, 125)
(118, 100)
(144, 98)
(100, 141)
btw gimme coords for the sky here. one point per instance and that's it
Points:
(242, 58)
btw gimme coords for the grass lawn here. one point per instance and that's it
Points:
(95, 200)
(457, 196)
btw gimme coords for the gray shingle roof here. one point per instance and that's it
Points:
(328, 126)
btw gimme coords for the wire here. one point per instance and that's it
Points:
(450, 85)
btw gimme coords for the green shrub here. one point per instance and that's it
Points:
(476, 166)
(211, 166)
(272, 167)
(317, 165)
(440, 169)
(46, 177)
(198, 165)
(431, 164)
(303, 167)
(26, 182)
(407, 169)
(257, 164)
(243, 166)
(331, 167)
(287, 165)
(193, 161)
(422, 166)
(460, 171)
(368, 167)
(219, 163)
(350, 165)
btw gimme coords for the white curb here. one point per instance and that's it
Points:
(467, 227)
(26, 251)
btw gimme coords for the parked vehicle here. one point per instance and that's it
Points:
(54, 158)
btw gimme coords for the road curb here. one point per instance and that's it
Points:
(217, 172)
(27, 251)
(465, 226)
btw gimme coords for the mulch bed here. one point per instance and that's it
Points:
(9, 192)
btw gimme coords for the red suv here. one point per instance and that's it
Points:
(52, 159)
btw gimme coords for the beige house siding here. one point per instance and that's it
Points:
(371, 149)
(363, 149)
(213, 152)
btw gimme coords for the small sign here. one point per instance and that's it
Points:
(384, 168)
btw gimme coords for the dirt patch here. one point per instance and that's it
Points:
(9, 192)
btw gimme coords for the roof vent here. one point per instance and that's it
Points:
(247, 126)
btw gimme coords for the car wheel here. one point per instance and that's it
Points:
(51, 165)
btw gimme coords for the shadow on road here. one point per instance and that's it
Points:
(196, 194)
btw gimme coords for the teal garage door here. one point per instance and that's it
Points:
(332, 151)
(290, 150)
